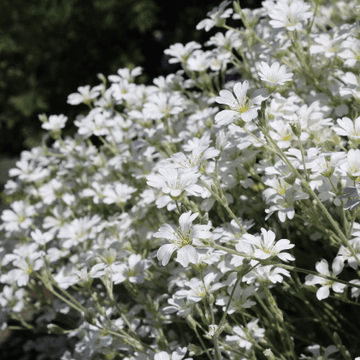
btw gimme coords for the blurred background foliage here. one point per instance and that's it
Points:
(48, 48)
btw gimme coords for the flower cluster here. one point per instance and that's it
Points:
(180, 218)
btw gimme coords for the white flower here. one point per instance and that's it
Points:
(180, 306)
(193, 161)
(78, 231)
(245, 336)
(216, 15)
(350, 51)
(198, 288)
(239, 300)
(126, 74)
(178, 354)
(182, 240)
(265, 246)
(290, 16)
(161, 105)
(275, 75)
(323, 292)
(180, 52)
(9, 299)
(241, 107)
(96, 192)
(41, 238)
(55, 122)
(119, 193)
(132, 271)
(348, 128)
(175, 181)
(316, 350)
(345, 254)
(84, 95)
(50, 190)
(21, 274)
(266, 273)
(327, 46)
(199, 60)
(352, 165)
(20, 217)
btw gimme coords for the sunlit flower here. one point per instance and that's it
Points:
(274, 75)
(264, 246)
(182, 239)
(322, 267)
(291, 16)
(242, 107)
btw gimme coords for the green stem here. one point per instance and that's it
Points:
(303, 159)
(218, 355)
(203, 344)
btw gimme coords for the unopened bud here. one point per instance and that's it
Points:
(90, 316)
(194, 350)
(214, 189)
(246, 166)
(211, 299)
(205, 219)
(237, 7)
(54, 329)
(223, 200)
(290, 178)
(269, 354)
(102, 78)
(43, 118)
(296, 127)
(191, 322)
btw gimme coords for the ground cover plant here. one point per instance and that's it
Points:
(211, 215)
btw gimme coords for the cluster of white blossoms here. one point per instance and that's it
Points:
(196, 217)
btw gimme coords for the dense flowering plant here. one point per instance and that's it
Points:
(196, 217)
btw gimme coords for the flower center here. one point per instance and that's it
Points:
(183, 239)
(130, 272)
(242, 106)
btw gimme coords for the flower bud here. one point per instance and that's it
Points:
(102, 78)
(90, 316)
(43, 118)
(269, 354)
(223, 200)
(54, 329)
(194, 350)
(237, 7)
(214, 189)
(290, 178)
(211, 299)
(296, 127)
(191, 322)
(205, 219)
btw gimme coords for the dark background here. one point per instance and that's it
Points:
(48, 48)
